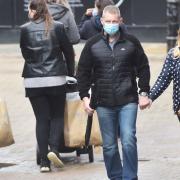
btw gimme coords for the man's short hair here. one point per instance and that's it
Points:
(112, 9)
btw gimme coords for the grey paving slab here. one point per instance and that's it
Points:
(158, 130)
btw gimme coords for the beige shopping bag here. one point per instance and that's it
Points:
(6, 136)
(75, 123)
(96, 138)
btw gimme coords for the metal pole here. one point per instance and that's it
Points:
(14, 18)
(172, 22)
(119, 3)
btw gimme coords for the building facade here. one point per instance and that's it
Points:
(146, 19)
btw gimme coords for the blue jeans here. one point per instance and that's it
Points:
(109, 117)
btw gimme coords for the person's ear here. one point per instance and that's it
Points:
(102, 21)
(34, 12)
(121, 20)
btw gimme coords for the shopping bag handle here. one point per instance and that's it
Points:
(71, 80)
(88, 130)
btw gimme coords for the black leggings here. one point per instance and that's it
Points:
(49, 113)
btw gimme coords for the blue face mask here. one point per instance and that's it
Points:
(111, 29)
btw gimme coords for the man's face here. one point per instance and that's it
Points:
(111, 19)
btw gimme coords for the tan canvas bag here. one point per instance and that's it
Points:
(6, 136)
(75, 123)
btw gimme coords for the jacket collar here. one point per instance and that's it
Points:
(57, 10)
(38, 21)
(96, 22)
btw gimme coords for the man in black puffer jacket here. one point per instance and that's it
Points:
(116, 60)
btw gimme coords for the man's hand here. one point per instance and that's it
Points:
(87, 108)
(144, 102)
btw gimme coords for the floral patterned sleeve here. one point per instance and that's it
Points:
(164, 79)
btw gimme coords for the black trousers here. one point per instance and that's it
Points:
(49, 113)
(178, 118)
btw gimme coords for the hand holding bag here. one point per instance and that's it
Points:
(75, 123)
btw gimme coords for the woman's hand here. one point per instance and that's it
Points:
(150, 103)
(143, 102)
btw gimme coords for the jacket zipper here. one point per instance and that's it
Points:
(113, 68)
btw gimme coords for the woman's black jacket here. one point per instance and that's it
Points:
(43, 53)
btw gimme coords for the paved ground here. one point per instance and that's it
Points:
(158, 130)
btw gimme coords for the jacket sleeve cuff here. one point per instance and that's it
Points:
(82, 95)
(151, 97)
(146, 89)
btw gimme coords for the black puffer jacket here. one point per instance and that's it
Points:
(114, 71)
(44, 54)
(89, 26)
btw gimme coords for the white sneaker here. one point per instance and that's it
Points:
(55, 159)
(45, 169)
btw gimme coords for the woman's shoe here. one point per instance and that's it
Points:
(45, 165)
(54, 157)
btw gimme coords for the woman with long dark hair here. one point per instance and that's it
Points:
(170, 72)
(43, 44)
